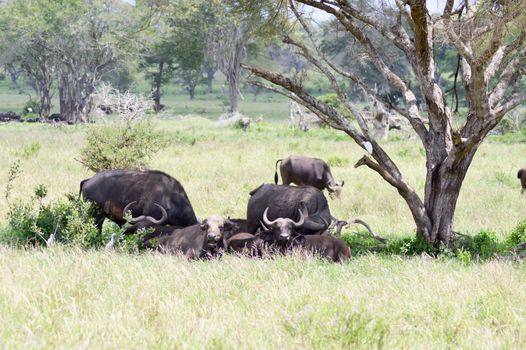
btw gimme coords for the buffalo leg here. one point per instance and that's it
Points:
(99, 220)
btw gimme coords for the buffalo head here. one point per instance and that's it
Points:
(335, 190)
(215, 226)
(282, 228)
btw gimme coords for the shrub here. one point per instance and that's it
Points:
(414, 245)
(71, 220)
(518, 234)
(484, 245)
(126, 144)
(31, 109)
(121, 146)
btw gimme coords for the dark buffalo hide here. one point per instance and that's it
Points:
(285, 202)
(112, 190)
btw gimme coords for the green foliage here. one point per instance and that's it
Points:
(409, 246)
(331, 99)
(484, 245)
(518, 234)
(31, 109)
(122, 146)
(71, 220)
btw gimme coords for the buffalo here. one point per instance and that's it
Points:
(307, 171)
(151, 192)
(198, 240)
(332, 248)
(246, 244)
(522, 176)
(305, 206)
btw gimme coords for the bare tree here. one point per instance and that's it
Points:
(488, 35)
(229, 51)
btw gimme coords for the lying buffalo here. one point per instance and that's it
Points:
(309, 172)
(246, 244)
(150, 191)
(305, 206)
(328, 247)
(198, 240)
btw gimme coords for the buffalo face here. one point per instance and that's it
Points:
(215, 226)
(335, 190)
(283, 228)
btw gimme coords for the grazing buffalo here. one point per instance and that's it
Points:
(328, 247)
(151, 192)
(522, 176)
(198, 240)
(306, 206)
(307, 172)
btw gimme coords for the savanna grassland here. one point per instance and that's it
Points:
(69, 298)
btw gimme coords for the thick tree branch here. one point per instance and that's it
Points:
(506, 77)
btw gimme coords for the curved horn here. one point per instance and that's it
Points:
(127, 208)
(154, 221)
(343, 183)
(301, 220)
(161, 220)
(313, 225)
(263, 225)
(373, 234)
(266, 220)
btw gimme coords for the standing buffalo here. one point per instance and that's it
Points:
(197, 240)
(150, 191)
(522, 176)
(308, 172)
(306, 208)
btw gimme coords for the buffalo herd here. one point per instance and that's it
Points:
(279, 218)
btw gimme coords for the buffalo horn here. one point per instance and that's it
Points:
(266, 220)
(300, 221)
(149, 218)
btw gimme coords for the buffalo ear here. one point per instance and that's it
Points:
(228, 224)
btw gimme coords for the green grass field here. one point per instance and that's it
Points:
(68, 298)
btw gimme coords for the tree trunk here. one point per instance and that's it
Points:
(209, 78)
(45, 102)
(443, 185)
(191, 91)
(157, 91)
(233, 93)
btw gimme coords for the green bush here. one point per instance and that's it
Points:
(31, 109)
(484, 245)
(409, 246)
(121, 146)
(518, 234)
(71, 220)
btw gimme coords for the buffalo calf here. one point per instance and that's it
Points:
(328, 247)
(198, 240)
(246, 244)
